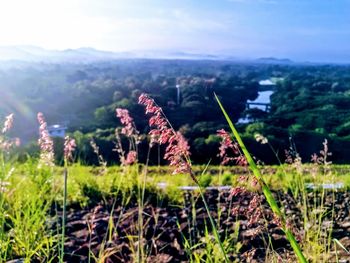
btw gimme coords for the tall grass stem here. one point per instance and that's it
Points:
(64, 212)
(267, 192)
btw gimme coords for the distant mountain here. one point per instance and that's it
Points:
(37, 54)
(186, 55)
(272, 60)
(15, 53)
(86, 55)
(27, 54)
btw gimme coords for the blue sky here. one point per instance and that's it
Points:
(316, 30)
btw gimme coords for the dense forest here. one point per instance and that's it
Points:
(309, 103)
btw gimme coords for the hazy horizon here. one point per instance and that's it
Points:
(317, 31)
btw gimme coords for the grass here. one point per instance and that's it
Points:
(30, 195)
(33, 200)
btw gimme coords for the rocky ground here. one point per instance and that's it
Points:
(109, 230)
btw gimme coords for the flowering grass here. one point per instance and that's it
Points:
(177, 153)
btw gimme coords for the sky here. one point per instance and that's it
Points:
(312, 30)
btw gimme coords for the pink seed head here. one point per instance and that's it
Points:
(129, 128)
(131, 158)
(45, 143)
(177, 152)
(69, 148)
(8, 123)
(226, 146)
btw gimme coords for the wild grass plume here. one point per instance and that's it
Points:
(47, 156)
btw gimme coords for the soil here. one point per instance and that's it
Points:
(243, 216)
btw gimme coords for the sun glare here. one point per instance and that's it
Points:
(49, 24)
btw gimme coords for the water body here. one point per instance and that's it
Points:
(263, 97)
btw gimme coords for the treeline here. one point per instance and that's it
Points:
(310, 103)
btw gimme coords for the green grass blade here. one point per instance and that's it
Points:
(64, 213)
(341, 245)
(268, 194)
(215, 231)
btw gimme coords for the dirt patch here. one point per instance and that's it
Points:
(110, 231)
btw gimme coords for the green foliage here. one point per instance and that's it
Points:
(308, 101)
(205, 180)
(254, 128)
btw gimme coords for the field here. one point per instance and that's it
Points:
(104, 208)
